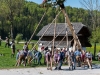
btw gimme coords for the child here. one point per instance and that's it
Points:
(48, 60)
(17, 57)
(56, 59)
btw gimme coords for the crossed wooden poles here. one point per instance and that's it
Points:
(75, 37)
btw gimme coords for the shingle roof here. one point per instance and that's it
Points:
(59, 27)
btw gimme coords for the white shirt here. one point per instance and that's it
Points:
(21, 52)
(88, 55)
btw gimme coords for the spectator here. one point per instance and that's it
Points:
(48, 59)
(38, 56)
(73, 59)
(13, 49)
(22, 57)
(56, 58)
(77, 54)
(61, 59)
(17, 57)
(89, 59)
(7, 42)
(35, 55)
(25, 47)
(30, 57)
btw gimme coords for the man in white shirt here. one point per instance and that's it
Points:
(89, 59)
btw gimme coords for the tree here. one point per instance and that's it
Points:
(95, 38)
(95, 35)
(26, 16)
(13, 8)
(93, 7)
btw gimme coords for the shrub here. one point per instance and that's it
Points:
(19, 37)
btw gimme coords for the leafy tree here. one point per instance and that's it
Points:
(95, 38)
(13, 8)
(26, 16)
(95, 35)
(93, 7)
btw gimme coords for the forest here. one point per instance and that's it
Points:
(21, 16)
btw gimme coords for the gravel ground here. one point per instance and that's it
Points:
(44, 71)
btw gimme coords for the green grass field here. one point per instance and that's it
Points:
(6, 61)
(91, 49)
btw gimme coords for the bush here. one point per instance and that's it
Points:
(19, 37)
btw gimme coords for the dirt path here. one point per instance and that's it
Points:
(44, 71)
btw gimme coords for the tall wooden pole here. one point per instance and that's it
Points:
(73, 33)
(71, 29)
(66, 34)
(53, 44)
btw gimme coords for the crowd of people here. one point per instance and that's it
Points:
(58, 57)
(27, 56)
(64, 56)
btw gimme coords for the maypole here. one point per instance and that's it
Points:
(75, 37)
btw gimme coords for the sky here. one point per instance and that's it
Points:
(67, 3)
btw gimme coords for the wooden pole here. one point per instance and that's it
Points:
(45, 31)
(71, 28)
(69, 62)
(53, 44)
(66, 34)
(73, 33)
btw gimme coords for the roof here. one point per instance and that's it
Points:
(60, 27)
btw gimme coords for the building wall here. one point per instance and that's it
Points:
(82, 39)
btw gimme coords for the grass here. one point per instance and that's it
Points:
(91, 49)
(7, 62)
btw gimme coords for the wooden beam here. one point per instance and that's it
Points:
(74, 35)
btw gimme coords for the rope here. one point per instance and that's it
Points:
(61, 40)
(55, 38)
(36, 27)
(45, 31)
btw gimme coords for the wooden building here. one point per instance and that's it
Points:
(80, 29)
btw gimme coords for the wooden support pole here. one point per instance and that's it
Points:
(72, 30)
(53, 44)
(73, 33)
(66, 34)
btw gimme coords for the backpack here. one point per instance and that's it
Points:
(61, 56)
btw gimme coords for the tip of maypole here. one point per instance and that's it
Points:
(61, 3)
(50, 3)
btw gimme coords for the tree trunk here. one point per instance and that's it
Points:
(11, 32)
(94, 50)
